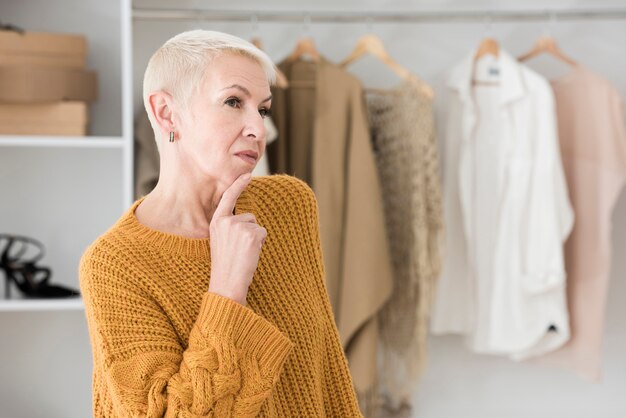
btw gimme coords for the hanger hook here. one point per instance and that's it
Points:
(552, 24)
(254, 23)
(306, 24)
(369, 24)
(488, 23)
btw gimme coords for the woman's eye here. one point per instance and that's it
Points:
(265, 112)
(233, 102)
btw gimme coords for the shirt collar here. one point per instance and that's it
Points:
(512, 85)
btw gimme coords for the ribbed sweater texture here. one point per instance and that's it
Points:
(165, 346)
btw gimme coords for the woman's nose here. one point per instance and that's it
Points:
(255, 126)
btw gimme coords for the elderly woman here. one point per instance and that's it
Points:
(207, 297)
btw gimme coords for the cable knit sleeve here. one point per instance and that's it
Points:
(228, 368)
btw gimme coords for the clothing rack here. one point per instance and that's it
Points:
(484, 16)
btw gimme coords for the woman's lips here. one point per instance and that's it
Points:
(247, 158)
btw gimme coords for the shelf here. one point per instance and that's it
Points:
(36, 305)
(62, 141)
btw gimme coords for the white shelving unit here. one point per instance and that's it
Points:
(65, 191)
(46, 141)
(41, 305)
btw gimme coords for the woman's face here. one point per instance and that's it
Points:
(225, 119)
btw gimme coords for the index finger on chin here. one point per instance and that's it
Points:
(228, 200)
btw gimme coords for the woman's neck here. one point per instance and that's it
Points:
(180, 207)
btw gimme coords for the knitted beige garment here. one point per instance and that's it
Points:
(403, 136)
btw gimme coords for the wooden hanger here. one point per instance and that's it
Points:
(547, 44)
(281, 78)
(304, 47)
(373, 45)
(487, 46)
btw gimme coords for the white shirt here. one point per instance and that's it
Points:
(507, 212)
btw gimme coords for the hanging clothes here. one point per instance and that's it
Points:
(323, 138)
(507, 212)
(592, 134)
(262, 168)
(403, 135)
(147, 155)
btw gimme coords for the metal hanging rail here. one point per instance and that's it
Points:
(376, 17)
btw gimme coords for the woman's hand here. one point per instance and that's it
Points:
(236, 242)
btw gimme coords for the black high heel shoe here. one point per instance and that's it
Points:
(20, 268)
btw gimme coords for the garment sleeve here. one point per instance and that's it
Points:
(429, 153)
(453, 309)
(618, 124)
(549, 217)
(340, 392)
(228, 368)
(277, 150)
(366, 275)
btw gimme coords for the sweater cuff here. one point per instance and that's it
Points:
(246, 329)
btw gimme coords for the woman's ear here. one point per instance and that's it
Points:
(161, 106)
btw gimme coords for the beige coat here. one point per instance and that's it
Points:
(324, 140)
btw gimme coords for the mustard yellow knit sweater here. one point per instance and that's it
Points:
(164, 346)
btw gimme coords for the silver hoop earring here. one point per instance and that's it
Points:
(172, 136)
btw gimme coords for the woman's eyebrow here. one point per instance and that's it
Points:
(245, 91)
(239, 87)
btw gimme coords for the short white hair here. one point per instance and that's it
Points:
(178, 67)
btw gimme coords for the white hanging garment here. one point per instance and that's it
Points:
(507, 212)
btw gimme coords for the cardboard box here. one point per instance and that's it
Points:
(42, 49)
(32, 84)
(67, 129)
(61, 118)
